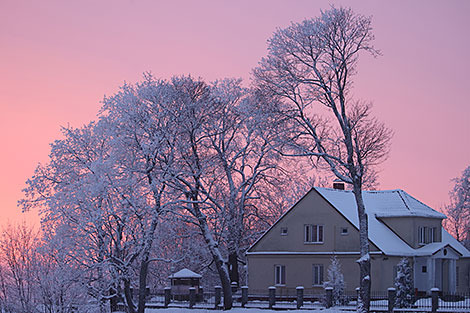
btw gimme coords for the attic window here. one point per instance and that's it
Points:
(283, 231)
(313, 233)
(344, 231)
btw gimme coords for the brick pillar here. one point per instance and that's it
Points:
(392, 293)
(300, 296)
(218, 296)
(435, 299)
(272, 296)
(167, 291)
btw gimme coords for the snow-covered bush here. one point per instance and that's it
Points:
(404, 284)
(336, 281)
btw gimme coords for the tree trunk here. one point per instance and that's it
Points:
(128, 296)
(142, 286)
(216, 256)
(364, 261)
(113, 302)
(233, 267)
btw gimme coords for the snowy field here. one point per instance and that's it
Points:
(237, 310)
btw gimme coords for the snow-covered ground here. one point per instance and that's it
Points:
(236, 310)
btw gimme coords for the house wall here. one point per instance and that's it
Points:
(299, 271)
(463, 273)
(402, 226)
(312, 209)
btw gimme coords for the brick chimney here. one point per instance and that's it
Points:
(339, 185)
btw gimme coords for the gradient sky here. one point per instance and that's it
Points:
(59, 58)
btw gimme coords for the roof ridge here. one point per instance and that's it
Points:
(402, 199)
(368, 191)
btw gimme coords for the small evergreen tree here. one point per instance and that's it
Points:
(336, 281)
(404, 284)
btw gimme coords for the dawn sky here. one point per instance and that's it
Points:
(59, 58)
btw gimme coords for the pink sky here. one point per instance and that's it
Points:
(59, 58)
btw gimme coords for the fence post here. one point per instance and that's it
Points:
(167, 291)
(200, 294)
(272, 296)
(300, 296)
(244, 296)
(218, 296)
(357, 296)
(435, 299)
(392, 293)
(329, 297)
(192, 297)
(234, 286)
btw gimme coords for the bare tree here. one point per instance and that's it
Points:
(458, 211)
(312, 63)
(18, 253)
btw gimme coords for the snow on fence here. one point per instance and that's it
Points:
(309, 298)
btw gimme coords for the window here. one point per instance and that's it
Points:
(432, 234)
(313, 233)
(424, 269)
(422, 235)
(283, 231)
(344, 231)
(317, 270)
(279, 274)
(427, 234)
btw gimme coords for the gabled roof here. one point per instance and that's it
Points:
(383, 204)
(185, 273)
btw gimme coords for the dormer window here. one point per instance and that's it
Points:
(427, 235)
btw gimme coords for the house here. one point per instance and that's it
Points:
(297, 249)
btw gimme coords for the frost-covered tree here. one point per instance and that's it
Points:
(171, 151)
(246, 165)
(458, 211)
(404, 284)
(100, 202)
(77, 208)
(59, 283)
(309, 69)
(335, 280)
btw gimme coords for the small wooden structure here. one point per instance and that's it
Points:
(181, 281)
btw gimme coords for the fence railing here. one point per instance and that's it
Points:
(310, 298)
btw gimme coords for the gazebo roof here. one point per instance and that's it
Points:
(185, 273)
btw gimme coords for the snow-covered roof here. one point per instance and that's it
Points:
(185, 273)
(388, 203)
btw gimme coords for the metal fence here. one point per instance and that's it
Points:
(315, 298)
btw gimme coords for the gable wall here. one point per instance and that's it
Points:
(312, 209)
(407, 227)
